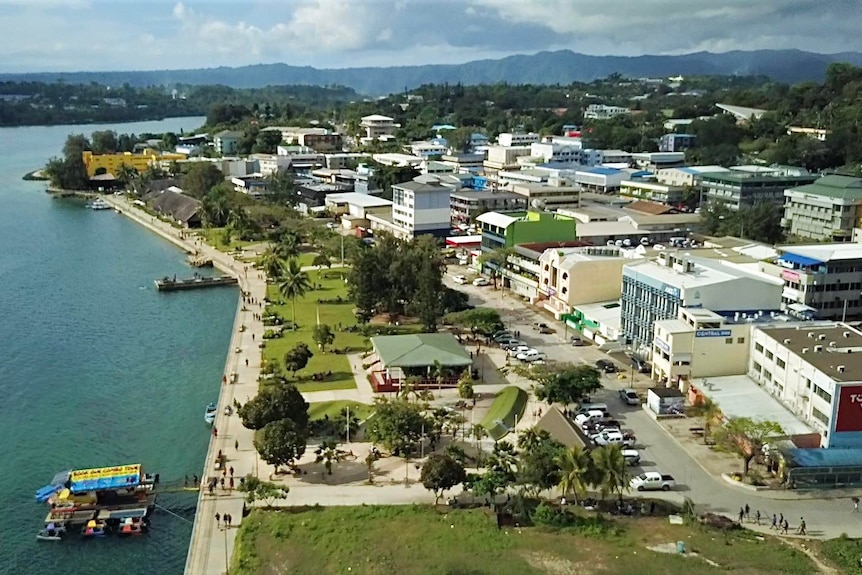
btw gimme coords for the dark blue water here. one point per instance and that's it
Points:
(96, 367)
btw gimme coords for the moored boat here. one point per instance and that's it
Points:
(132, 526)
(52, 532)
(94, 528)
(210, 414)
(99, 204)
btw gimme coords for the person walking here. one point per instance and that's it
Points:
(231, 482)
(236, 444)
(222, 483)
(231, 470)
(227, 519)
(801, 529)
(784, 526)
(757, 517)
(855, 505)
(781, 518)
(747, 511)
(218, 519)
(741, 514)
(774, 522)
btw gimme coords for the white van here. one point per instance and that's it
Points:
(586, 407)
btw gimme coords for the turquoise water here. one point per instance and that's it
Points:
(96, 367)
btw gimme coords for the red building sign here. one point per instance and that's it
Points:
(849, 409)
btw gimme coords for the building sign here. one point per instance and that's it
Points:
(712, 333)
(849, 409)
(662, 345)
(789, 276)
(670, 290)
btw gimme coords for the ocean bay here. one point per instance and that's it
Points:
(96, 367)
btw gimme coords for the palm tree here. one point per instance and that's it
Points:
(328, 454)
(612, 475)
(271, 264)
(530, 439)
(575, 465)
(711, 412)
(293, 283)
(439, 373)
(288, 246)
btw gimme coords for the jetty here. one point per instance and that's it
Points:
(200, 261)
(196, 282)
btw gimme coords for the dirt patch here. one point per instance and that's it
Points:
(556, 565)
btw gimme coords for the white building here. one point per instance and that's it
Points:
(378, 127)
(426, 149)
(603, 112)
(509, 139)
(395, 159)
(825, 210)
(652, 192)
(268, 164)
(551, 152)
(354, 208)
(686, 176)
(654, 161)
(599, 179)
(301, 157)
(504, 157)
(419, 207)
(577, 276)
(816, 371)
(822, 280)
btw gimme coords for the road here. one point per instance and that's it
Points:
(827, 514)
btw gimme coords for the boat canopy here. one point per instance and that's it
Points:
(120, 476)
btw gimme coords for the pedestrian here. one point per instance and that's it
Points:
(747, 511)
(222, 483)
(781, 518)
(652, 507)
(215, 432)
(231, 482)
(757, 517)
(236, 444)
(741, 514)
(855, 505)
(246, 362)
(186, 482)
(784, 526)
(801, 529)
(218, 518)
(774, 522)
(231, 471)
(195, 479)
(252, 337)
(224, 472)
(210, 488)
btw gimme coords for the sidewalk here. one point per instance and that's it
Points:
(210, 547)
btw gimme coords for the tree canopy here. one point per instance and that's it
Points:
(745, 437)
(396, 424)
(567, 383)
(441, 472)
(275, 402)
(281, 442)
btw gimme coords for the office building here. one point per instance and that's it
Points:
(825, 210)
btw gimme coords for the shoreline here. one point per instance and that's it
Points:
(208, 550)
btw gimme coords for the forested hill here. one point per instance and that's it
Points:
(560, 67)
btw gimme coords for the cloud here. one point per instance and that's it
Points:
(40, 34)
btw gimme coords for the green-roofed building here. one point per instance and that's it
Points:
(826, 210)
(416, 355)
(744, 186)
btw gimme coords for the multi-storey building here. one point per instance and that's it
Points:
(377, 126)
(509, 139)
(580, 275)
(816, 372)
(676, 142)
(822, 280)
(826, 210)
(466, 205)
(688, 176)
(603, 112)
(656, 289)
(744, 187)
(653, 192)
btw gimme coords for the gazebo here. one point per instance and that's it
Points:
(416, 355)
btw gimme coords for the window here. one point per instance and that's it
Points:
(758, 347)
(781, 363)
(756, 366)
(769, 355)
(728, 340)
(740, 340)
(819, 416)
(822, 394)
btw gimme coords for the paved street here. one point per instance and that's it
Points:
(827, 514)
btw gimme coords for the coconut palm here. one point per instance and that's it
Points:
(711, 412)
(271, 264)
(288, 245)
(612, 475)
(293, 283)
(328, 453)
(531, 439)
(575, 465)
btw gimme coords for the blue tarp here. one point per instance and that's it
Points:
(800, 260)
(834, 457)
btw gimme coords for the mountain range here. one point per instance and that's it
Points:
(558, 67)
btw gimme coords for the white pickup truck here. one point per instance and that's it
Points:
(651, 481)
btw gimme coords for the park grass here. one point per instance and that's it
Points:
(422, 540)
(321, 409)
(844, 553)
(213, 236)
(331, 314)
(507, 409)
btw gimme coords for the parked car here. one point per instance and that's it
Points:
(640, 365)
(481, 282)
(531, 356)
(629, 397)
(601, 425)
(632, 456)
(577, 341)
(508, 341)
(542, 328)
(583, 418)
(606, 366)
(518, 349)
(652, 481)
(587, 407)
(502, 333)
(459, 279)
(612, 437)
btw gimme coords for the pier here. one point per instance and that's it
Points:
(197, 282)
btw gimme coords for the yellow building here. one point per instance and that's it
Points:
(111, 163)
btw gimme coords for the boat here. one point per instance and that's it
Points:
(210, 414)
(106, 494)
(196, 282)
(94, 528)
(132, 526)
(99, 204)
(52, 532)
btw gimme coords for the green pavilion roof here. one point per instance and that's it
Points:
(418, 350)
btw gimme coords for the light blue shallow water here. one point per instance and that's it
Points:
(96, 367)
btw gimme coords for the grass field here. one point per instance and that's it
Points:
(320, 409)
(331, 314)
(213, 236)
(508, 407)
(844, 553)
(419, 540)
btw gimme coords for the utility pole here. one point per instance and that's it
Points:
(348, 422)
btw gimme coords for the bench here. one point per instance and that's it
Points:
(696, 431)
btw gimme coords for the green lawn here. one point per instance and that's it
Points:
(331, 314)
(844, 553)
(319, 410)
(213, 236)
(508, 407)
(420, 540)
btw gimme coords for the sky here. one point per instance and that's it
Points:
(94, 35)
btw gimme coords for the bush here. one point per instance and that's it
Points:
(549, 515)
(755, 478)
(272, 334)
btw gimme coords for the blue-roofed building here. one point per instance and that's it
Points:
(601, 180)
(821, 468)
(822, 280)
